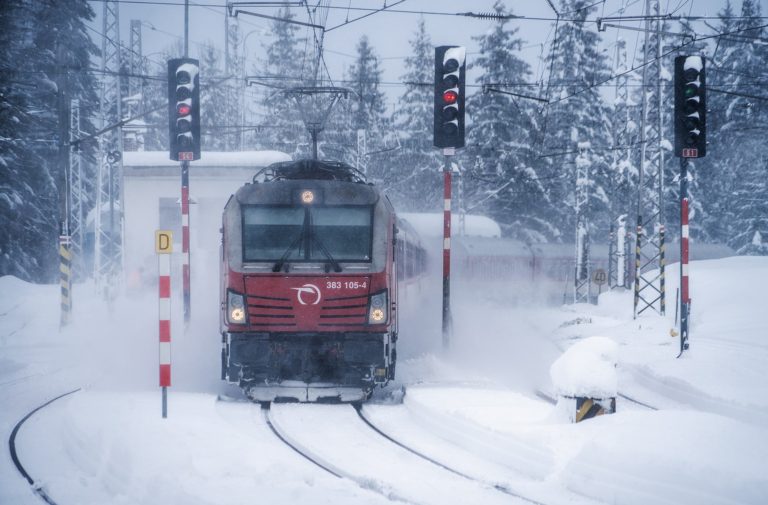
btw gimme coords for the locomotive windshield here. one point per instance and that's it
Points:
(324, 234)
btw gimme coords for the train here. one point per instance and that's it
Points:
(312, 255)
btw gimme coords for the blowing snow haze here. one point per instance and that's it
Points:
(564, 305)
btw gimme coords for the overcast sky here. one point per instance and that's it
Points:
(389, 32)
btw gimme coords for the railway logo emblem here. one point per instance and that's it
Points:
(308, 288)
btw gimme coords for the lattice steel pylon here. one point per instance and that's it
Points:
(649, 246)
(582, 284)
(234, 67)
(136, 60)
(108, 255)
(622, 161)
(77, 195)
(134, 133)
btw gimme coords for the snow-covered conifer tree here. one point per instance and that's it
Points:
(735, 186)
(503, 177)
(411, 174)
(50, 38)
(577, 113)
(217, 128)
(369, 103)
(283, 68)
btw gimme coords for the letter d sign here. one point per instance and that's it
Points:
(163, 242)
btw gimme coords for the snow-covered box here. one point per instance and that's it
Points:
(585, 379)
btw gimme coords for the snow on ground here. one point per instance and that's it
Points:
(473, 408)
(723, 372)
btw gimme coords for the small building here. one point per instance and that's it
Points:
(152, 196)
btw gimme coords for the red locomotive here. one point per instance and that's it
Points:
(309, 284)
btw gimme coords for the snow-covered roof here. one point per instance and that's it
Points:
(207, 159)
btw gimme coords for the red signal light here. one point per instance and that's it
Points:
(184, 109)
(450, 97)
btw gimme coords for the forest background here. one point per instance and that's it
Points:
(519, 164)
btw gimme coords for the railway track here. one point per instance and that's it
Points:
(637, 402)
(318, 461)
(379, 444)
(279, 433)
(322, 462)
(14, 451)
(549, 399)
(498, 487)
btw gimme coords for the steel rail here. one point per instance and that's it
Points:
(498, 487)
(15, 455)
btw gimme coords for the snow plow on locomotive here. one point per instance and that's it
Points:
(309, 285)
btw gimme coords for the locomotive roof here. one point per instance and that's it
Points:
(310, 169)
(336, 183)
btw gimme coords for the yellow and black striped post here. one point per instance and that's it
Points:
(587, 408)
(65, 268)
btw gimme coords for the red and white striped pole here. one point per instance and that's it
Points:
(448, 152)
(685, 297)
(164, 247)
(186, 283)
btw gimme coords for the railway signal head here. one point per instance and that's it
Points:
(690, 107)
(450, 69)
(184, 109)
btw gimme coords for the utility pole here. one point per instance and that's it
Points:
(690, 142)
(448, 152)
(685, 297)
(649, 246)
(184, 146)
(186, 277)
(186, 28)
(462, 205)
(448, 134)
(65, 252)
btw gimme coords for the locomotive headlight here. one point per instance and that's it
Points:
(377, 312)
(307, 196)
(235, 307)
(377, 315)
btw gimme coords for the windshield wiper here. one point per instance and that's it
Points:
(333, 262)
(308, 234)
(279, 265)
(304, 227)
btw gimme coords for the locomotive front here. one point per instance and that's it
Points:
(308, 288)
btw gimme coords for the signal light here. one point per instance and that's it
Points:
(450, 78)
(450, 97)
(690, 107)
(184, 109)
